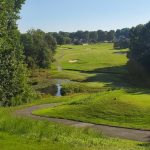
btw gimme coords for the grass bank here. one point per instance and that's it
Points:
(118, 108)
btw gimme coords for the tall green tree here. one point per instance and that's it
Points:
(139, 55)
(86, 37)
(14, 88)
(39, 48)
(122, 39)
(101, 36)
(111, 36)
(122, 33)
(93, 36)
(122, 43)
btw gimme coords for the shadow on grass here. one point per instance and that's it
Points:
(134, 90)
(115, 81)
(109, 70)
(121, 53)
(116, 77)
(118, 81)
(112, 76)
(145, 145)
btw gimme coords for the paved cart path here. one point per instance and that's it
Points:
(119, 132)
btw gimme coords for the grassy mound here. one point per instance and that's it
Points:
(119, 108)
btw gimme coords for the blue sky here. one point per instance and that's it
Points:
(73, 15)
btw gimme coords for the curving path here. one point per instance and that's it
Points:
(125, 133)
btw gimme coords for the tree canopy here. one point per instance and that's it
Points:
(39, 48)
(139, 62)
(81, 37)
(122, 39)
(14, 88)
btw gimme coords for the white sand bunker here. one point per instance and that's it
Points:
(73, 61)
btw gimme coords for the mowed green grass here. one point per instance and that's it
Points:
(26, 134)
(91, 58)
(117, 108)
(98, 65)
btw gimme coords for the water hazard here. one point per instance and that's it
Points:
(58, 84)
(59, 87)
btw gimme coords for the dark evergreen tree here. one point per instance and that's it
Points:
(122, 39)
(110, 36)
(122, 43)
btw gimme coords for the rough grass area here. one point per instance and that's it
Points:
(118, 108)
(88, 87)
(28, 134)
(16, 142)
(19, 142)
(41, 81)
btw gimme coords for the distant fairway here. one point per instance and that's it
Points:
(95, 58)
(97, 65)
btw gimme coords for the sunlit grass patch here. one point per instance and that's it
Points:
(118, 108)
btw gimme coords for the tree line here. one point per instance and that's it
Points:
(82, 37)
(39, 47)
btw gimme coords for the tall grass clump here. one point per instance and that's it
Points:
(76, 87)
